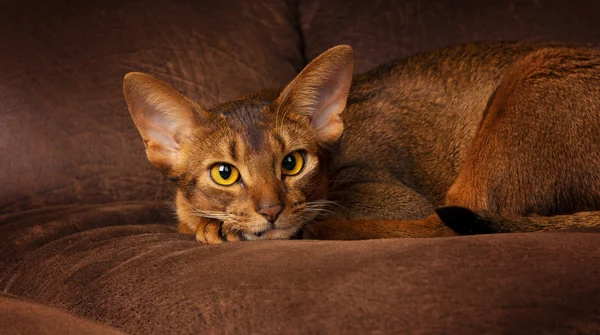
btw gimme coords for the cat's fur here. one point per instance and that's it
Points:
(509, 131)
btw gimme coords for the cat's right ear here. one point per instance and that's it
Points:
(320, 92)
(165, 118)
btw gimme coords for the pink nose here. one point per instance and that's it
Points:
(270, 212)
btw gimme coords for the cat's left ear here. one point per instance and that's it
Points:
(320, 92)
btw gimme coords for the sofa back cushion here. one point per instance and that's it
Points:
(65, 133)
(382, 30)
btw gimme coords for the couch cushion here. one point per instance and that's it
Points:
(27, 231)
(383, 30)
(65, 133)
(148, 279)
(18, 316)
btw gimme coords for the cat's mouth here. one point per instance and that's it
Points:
(261, 233)
(274, 233)
(284, 228)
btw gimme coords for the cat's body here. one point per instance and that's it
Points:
(479, 126)
(412, 123)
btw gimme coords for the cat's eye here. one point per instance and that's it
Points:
(224, 174)
(292, 164)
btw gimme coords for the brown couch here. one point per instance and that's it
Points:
(87, 234)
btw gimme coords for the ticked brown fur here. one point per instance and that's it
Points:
(508, 131)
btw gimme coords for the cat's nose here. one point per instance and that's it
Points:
(270, 211)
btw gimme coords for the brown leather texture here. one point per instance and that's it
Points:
(85, 228)
(65, 133)
(383, 30)
(20, 316)
(137, 274)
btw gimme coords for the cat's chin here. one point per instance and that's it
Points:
(272, 234)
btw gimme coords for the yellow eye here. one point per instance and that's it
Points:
(292, 164)
(224, 174)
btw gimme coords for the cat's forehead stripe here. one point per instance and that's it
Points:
(233, 149)
(256, 137)
(279, 140)
(274, 165)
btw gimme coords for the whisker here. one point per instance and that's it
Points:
(307, 218)
(307, 226)
(321, 208)
(323, 202)
(321, 211)
(222, 216)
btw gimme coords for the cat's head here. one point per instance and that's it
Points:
(259, 164)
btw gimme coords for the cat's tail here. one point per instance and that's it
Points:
(465, 222)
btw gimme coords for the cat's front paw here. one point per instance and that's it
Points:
(211, 232)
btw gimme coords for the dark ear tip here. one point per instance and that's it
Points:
(141, 84)
(342, 49)
(462, 220)
(135, 76)
(130, 80)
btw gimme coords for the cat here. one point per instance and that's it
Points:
(476, 138)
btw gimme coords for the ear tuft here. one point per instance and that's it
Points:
(320, 92)
(163, 116)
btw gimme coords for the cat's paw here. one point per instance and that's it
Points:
(211, 232)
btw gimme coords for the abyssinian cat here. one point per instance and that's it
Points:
(478, 138)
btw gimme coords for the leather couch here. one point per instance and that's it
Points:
(87, 232)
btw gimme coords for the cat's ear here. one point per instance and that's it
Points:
(165, 118)
(320, 92)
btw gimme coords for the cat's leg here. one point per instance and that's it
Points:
(538, 148)
(207, 230)
(211, 232)
(373, 199)
(340, 229)
(375, 210)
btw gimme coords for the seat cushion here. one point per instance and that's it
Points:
(19, 316)
(124, 265)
